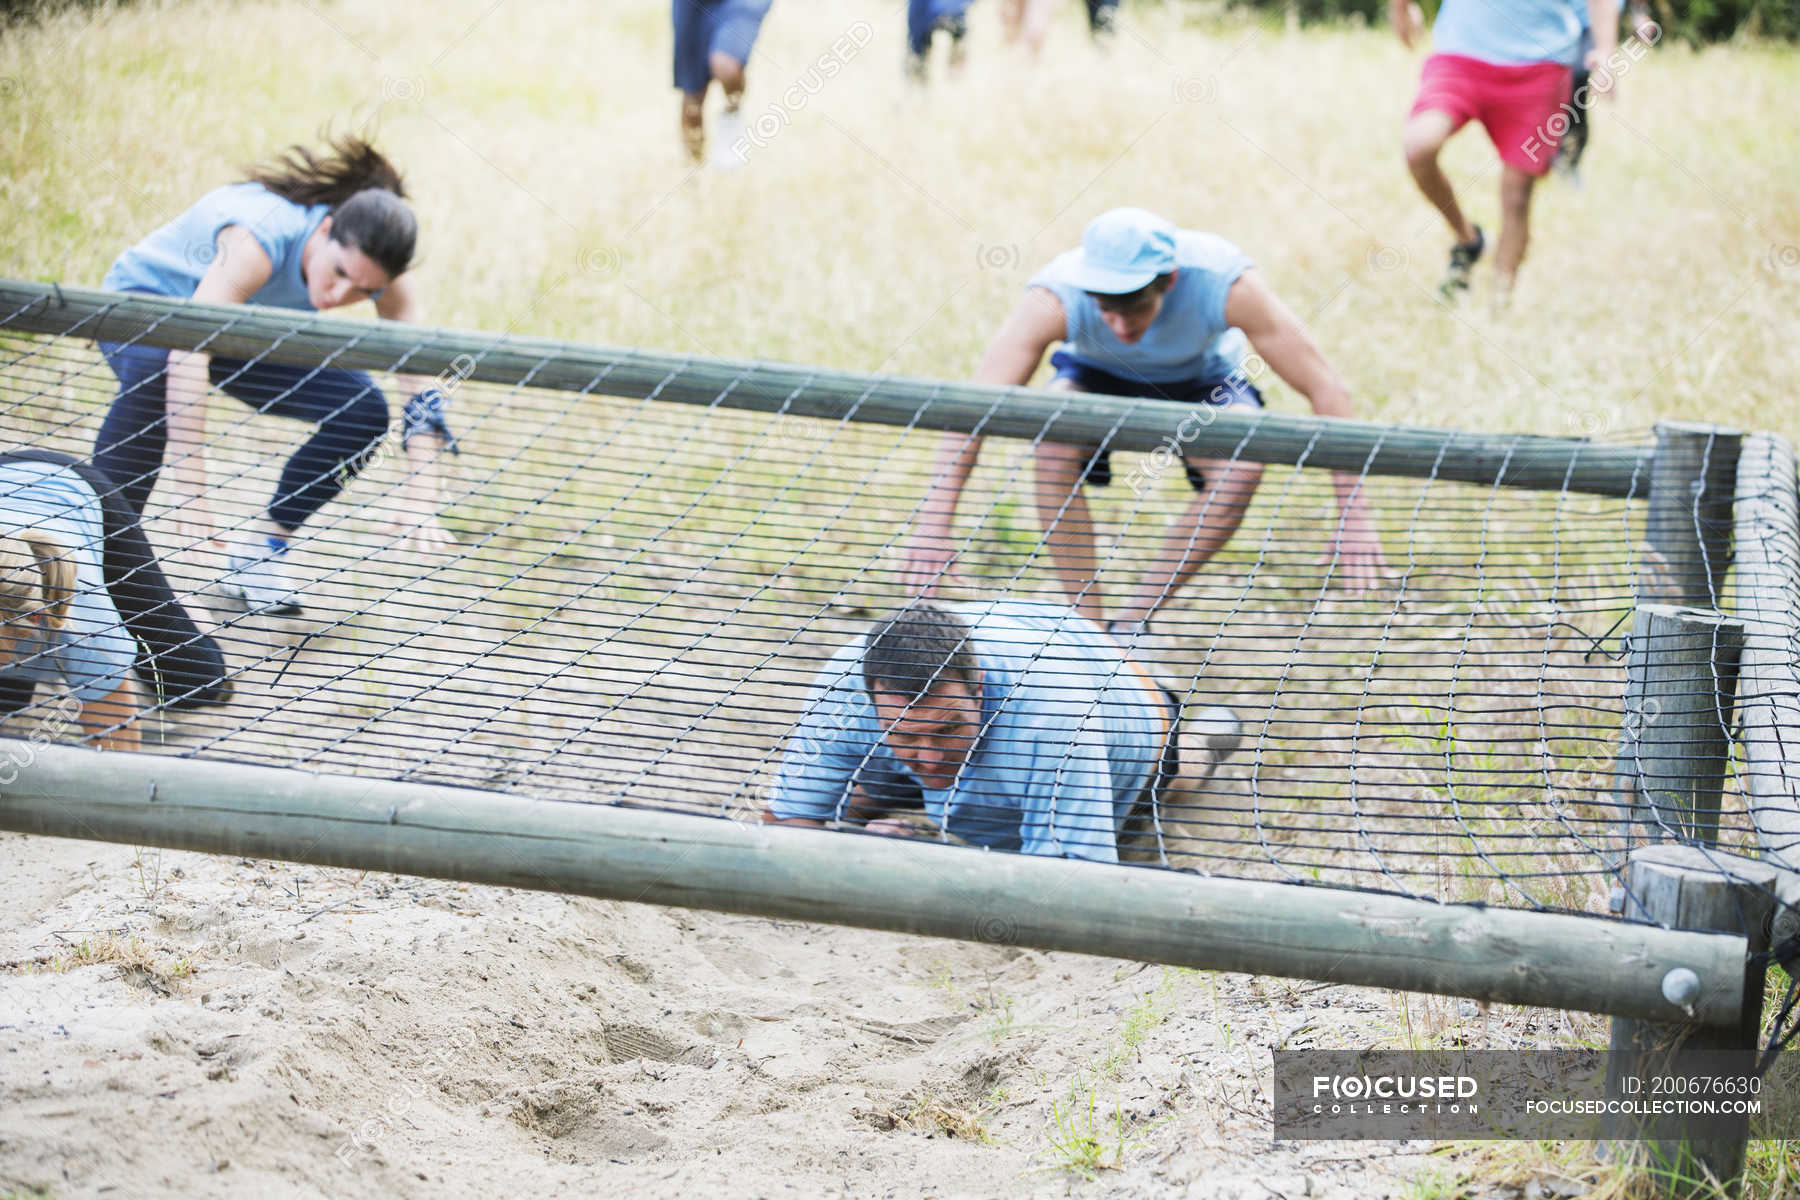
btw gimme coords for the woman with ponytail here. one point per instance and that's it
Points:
(309, 232)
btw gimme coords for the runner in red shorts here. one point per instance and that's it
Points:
(1507, 66)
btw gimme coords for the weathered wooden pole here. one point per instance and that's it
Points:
(1693, 479)
(1554, 960)
(283, 335)
(1767, 599)
(1686, 887)
(1680, 687)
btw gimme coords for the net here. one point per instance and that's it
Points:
(646, 586)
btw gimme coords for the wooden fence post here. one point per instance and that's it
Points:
(1680, 690)
(1685, 887)
(1693, 479)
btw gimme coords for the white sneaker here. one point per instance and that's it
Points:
(1218, 730)
(728, 142)
(259, 578)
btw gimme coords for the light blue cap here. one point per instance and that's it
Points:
(1123, 249)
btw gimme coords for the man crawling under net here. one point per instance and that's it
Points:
(1011, 725)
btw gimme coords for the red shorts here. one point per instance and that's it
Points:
(1521, 107)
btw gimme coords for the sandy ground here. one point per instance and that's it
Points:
(182, 1024)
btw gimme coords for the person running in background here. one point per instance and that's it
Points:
(310, 232)
(1506, 65)
(1145, 309)
(713, 40)
(1014, 725)
(84, 606)
(924, 18)
(1027, 22)
(1581, 95)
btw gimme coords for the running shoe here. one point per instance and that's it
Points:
(957, 27)
(1463, 258)
(728, 141)
(259, 577)
(1217, 730)
(1569, 150)
(1104, 26)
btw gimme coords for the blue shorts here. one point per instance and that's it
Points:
(1224, 393)
(704, 28)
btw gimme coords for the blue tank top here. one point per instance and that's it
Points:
(171, 261)
(1190, 338)
(1509, 34)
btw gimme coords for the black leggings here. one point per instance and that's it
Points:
(180, 666)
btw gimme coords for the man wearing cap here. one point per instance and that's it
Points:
(1144, 309)
(1012, 725)
(1507, 66)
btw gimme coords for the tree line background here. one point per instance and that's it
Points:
(1694, 21)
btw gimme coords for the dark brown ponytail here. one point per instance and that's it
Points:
(367, 197)
(307, 178)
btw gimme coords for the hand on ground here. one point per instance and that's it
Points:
(415, 526)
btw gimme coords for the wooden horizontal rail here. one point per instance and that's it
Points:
(1517, 957)
(1766, 535)
(292, 336)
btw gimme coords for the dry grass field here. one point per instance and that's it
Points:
(642, 591)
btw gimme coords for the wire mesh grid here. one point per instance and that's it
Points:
(643, 595)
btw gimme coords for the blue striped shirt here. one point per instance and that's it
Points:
(93, 653)
(1071, 734)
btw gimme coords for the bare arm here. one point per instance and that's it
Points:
(399, 301)
(110, 722)
(859, 809)
(1400, 16)
(770, 818)
(417, 523)
(1278, 336)
(1603, 19)
(1011, 358)
(239, 269)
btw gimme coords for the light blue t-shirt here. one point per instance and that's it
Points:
(171, 260)
(1071, 733)
(1189, 340)
(1509, 32)
(93, 653)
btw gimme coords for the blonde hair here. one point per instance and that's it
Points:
(37, 575)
